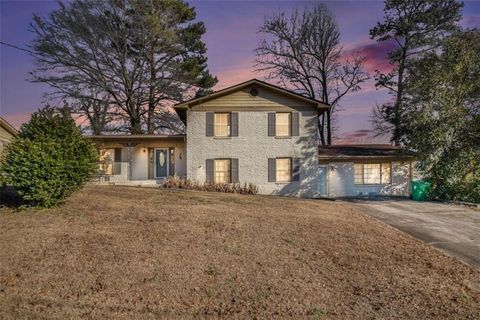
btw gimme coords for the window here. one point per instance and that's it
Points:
(282, 123)
(284, 169)
(222, 171)
(106, 158)
(372, 173)
(222, 124)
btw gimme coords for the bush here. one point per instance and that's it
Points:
(182, 183)
(49, 160)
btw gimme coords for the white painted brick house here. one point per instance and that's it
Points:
(253, 132)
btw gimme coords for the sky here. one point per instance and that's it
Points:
(231, 39)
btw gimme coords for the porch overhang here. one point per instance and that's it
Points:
(135, 138)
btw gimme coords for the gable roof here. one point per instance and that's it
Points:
(225, 91)
(362, 151)
(8, 127)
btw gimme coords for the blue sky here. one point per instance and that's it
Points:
(231, 38)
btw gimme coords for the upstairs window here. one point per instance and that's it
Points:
(222, 124)
(283, 124)
(372, 173)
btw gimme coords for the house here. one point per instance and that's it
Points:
(252, 132)
(7, 133)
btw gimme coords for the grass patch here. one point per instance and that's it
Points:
(123, 252)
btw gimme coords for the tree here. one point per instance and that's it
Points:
(303, 51)
(49, 160)
(441, 110)
(97, 111)
(415, 27)
(140, 55)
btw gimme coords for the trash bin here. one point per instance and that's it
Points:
(420, 190)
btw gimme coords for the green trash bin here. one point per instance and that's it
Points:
(420, 190)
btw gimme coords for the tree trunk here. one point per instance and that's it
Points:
(136, 127)
(398, 102)
(329, 128)
(321, 128)
(135, 121)
(151, 118)
(151, 97)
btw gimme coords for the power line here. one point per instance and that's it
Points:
(15, 47)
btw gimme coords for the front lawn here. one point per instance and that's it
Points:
(119, 252)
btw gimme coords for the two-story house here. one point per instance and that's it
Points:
(253, 132)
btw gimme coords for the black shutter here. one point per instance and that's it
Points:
(234, 124)
(209, 170)
(295, 169)
(272, 170)
(210, 123)
(271, 124)
(117, 164)
(234, 170)
(295, 124)
(118, 154)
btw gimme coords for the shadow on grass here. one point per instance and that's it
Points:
(10, 198)
(374, 198)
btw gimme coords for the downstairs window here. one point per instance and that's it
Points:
(373, 173)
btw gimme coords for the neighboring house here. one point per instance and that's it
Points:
(7, 133)
(253, 132)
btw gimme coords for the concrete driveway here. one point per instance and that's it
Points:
(453, 229)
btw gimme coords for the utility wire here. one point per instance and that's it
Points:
(15, 47)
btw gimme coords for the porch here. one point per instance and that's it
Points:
(139, 159)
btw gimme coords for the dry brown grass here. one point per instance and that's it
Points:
(118, 252)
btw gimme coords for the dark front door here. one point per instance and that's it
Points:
(161, 163)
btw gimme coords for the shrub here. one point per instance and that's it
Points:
(49, 160)
(182, 183)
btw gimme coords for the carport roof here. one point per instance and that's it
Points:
(362, 151)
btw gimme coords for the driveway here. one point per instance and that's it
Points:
(453, 229)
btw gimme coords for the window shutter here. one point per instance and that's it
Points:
(117, 165)
(210, 123)
(209, 170)
(234, 170)
(295, 124)
(272, 170)
(150, 163)
(295, 169)
(234, 124)
(271, 124)
(118, 154)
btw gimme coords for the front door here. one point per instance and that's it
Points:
(322, 176)
(161, 163)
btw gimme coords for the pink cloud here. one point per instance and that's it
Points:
(17, 119)
(361, 136)
(376, 54)
(241, 72)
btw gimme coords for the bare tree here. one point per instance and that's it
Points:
(97, 111)
(138, 54)
(303, 51)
